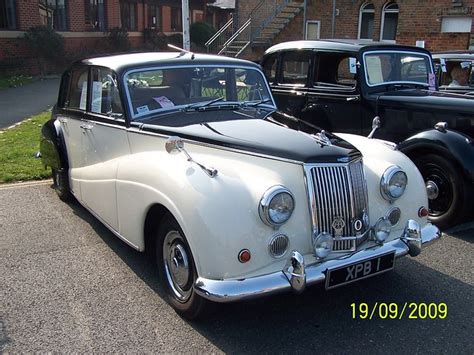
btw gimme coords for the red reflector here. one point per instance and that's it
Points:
(423, 212)
(244, 255)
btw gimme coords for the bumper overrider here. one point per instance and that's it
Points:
(295, 275)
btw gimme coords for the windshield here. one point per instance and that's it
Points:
(162, 89)
(384, 67)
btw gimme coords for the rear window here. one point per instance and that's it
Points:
(295, 66)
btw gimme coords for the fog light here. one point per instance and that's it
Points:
(423, 212)
(382, 229)
(323, 245)
(244, 255)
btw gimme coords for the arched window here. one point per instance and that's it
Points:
(388, 30)
(366, 21)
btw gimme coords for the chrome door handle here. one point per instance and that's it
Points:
(86, 126)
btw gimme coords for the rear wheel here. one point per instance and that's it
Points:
(61, 184)
(177, 270)
(445, 188)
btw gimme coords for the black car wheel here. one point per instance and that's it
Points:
(177, 270)
(61, 184)
(444, 186)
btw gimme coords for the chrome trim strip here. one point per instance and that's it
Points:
(243, 289)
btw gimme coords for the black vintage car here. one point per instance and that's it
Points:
(455, 71)
(341, 86)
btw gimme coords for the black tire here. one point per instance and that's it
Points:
(446, 203)
(177, 270)
(61, 184)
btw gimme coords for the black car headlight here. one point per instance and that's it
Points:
(393, 183)
(276, 206)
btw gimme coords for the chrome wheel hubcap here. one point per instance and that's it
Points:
(177, 266)
(432, 190)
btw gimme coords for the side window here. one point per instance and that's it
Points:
(333, 70)
(77, 95)
(105, 98)
(269, 67)
(344, 76)
(295, 67)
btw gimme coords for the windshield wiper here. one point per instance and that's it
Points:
(255, 103)
(202, 105)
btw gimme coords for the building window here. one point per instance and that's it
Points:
(128, 13)
(95, 14)
(154, 17)
(389, 22)
(197, 16)
(53, 14)
(176, 19)
(7, 14)
(456, 24)
(366, 21)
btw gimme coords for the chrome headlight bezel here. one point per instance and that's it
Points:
(265, 202)
(385, 183)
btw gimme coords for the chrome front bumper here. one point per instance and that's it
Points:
(296, 275)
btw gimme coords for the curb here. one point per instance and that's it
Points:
(16, 185)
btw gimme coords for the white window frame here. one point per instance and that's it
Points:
(319, 28)
(382, 22)
(363, 9)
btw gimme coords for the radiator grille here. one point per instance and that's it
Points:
(340, 198)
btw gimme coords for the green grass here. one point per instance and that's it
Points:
(14, 81)
(18, 147)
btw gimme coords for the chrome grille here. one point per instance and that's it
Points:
(339, 194)
(278, 245)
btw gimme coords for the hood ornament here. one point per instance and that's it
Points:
(322, 138)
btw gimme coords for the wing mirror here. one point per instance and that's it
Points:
(174, 145)
(375, 126)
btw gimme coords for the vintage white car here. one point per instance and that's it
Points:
(185, 155)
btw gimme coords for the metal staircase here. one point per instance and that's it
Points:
(266, 20)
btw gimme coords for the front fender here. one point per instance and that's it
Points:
(449, 143)
(219, 216)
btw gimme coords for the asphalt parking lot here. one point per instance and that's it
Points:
(68, 285)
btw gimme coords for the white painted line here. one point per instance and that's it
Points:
(19, 185)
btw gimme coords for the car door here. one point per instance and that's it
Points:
(71, 112)
(333, 99)
(288, 75)
(104, 143)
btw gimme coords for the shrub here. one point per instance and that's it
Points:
(117, 39)
(176, 39)
(46, 45)
(154, 40)
(201, 32)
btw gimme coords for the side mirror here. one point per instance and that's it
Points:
(375, 126)
(174, 145)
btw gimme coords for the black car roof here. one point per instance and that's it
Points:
(465, 54)
(347, 45)
(123, 62)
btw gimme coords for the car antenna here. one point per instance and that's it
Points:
(181, 50)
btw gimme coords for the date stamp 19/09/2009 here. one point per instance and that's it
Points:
(408, 310)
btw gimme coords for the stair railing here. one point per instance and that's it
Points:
(215, 43)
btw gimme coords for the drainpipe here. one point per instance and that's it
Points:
(304, 18)
(333, 28)
(185, 22)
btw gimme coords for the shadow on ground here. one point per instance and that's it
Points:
(323, 321)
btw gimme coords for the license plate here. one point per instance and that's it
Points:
(359, 270)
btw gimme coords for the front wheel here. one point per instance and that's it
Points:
(177, 270)
(445, 188)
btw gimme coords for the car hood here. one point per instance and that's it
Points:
(258, 131)
(419, 99)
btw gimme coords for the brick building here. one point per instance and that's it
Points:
(436, 24)
(84, 23)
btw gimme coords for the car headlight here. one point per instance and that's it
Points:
(393, 183)
(276, 206)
